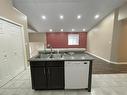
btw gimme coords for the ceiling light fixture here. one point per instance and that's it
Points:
(50, 30)
(43, 17)
(61, 17)
(97, 16)
(84, 29)
(73, 29)
(79, 16)
(61, 30)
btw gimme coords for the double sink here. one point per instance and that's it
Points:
(55, 55)
(50, 56)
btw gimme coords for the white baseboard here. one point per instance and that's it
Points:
(106, 59)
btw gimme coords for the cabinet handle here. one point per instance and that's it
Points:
(85, 62)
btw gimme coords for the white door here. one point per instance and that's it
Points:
(11, 51)
(15, 50)
(76, 74)
(4, 73)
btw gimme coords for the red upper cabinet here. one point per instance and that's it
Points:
(60, 39)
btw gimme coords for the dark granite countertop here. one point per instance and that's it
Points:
(65, 57)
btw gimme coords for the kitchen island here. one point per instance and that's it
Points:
(61, 71)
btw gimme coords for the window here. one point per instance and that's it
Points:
(73, 39)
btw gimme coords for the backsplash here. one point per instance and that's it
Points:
(60, 39)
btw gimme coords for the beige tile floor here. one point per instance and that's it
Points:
(103, 84)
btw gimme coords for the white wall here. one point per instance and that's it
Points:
(99, 40)
(36, 41)
(123, 12)
(115, 38)
(122, 44)
(34, 47)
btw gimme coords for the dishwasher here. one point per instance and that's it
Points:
(76, 74)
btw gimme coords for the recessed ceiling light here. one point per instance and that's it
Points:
(50, 30)
(97, 16)
(61, 30)
(73, 29)
(79, 16)
(43, 17)
(84, 29)
(61, 17)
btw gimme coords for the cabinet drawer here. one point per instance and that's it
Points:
(37, 63)
(55, 63)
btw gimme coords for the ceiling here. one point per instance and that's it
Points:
(52, 9)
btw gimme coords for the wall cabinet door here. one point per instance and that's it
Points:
(38, 78)
(55, 77)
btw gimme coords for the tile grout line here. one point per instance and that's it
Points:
(12, 78)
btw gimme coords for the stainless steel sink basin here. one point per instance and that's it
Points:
(50, 56)
(43, 56)
(55, 56)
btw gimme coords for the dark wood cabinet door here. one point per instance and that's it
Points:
(39, 78)
(55, 77)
